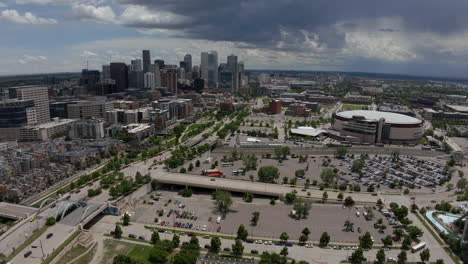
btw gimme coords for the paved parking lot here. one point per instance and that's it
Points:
(273, 219)
(422, 172)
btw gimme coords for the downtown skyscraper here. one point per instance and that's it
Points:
(146, 60)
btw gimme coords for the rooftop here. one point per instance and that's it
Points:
(307, 131)
(392, 118)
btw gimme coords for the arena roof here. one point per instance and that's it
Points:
(306, 131)
(392, 118)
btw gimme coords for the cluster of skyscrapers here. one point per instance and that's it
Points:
(144, 73)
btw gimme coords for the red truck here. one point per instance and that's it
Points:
(213, 173)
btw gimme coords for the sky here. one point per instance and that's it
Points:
(416, 37)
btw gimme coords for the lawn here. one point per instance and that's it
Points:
(348, 107)
(86, 259)
(266, 101)
(113, 248)
(140, 252)
(72, 254)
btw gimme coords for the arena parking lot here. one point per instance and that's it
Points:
(274, 219)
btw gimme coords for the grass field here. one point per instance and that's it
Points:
(349, 107)
(86, 259)
(266, 101)
(72, 254)
(140, 252)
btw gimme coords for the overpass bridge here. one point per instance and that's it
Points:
(371, 150)
(267, 189)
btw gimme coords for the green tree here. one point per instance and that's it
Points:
(223, 201)
(248, 197)
(158, 255)
(348, 225)
(215, 245)
(440, 261)
(425, 255)
(238, 248)
(50, 221)
(290, 197)
(324, 239)
(268, 174)
(117, 231)
(154, 237)
(328, 176)
(126, 219)
(255, 218)
(340, 196)
(380, 257)
(284, 251)
(387, 241)
(366, 241)
(175, 241)
(306, 231)
(302, 207)
(284, 237)
(242, 233)
(414, 232)
(357, 256)
(398, 233)
(402, 257)
(341, 152)
(324, 197)
(302, 239)
(406, 244)
(462, 183)
(349, 202)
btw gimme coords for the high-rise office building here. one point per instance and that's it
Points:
(233, 67)
(119, 73)
(170, 80)
(188, 62)
(105, 74)
(149, 80)
(160, 63)
(226, 82)
(40, 96)
(212, 69)
(136, 79)
(89, 80)
(17, 113)
(136, 65)
(204, 66)
(241, 66)
(146, 60)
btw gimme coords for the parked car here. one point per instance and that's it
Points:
(254, 251)
(49, 235)
(132, 236)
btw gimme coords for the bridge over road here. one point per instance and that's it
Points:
(267, 189)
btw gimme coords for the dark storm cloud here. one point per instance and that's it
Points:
(265, 23)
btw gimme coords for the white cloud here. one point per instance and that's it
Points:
(87, 53)
(25, 59)
(2, 4)
(91, 13)
(140, 16)
(42, 2)
(13, 16)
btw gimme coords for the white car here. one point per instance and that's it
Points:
(309, 246)
(204, 228)
(258, 242)
(198, 227)
(391, 260)
(268, 243)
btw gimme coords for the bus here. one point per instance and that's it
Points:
(418, 247)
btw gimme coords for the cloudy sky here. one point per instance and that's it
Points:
(419, 37)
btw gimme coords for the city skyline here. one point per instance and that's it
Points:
(396, 37)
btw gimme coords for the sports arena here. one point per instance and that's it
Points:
(378, 127)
